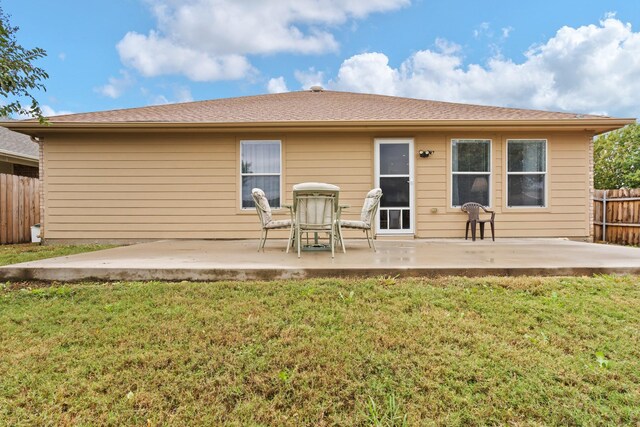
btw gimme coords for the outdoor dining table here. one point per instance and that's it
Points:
(310, 188)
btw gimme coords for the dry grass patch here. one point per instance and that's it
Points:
(452, 351)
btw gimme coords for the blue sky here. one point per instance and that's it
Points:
(579, 56)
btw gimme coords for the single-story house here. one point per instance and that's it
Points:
(185, 171)
(18, 154)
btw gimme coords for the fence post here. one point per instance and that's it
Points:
(604, 215)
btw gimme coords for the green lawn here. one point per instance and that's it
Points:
(452, 351)
(13, 254)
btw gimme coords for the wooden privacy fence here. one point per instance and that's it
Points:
(19, 208)
(617, 216)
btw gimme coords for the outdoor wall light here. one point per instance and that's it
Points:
(425, 153)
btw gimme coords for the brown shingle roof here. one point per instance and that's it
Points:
(311, 106)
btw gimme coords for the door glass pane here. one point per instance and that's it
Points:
(394, 159)
(470, 188)
(526, 190)
(470, 155)
(395, 192)
(527, 156)
(269, 184)
(394, 219)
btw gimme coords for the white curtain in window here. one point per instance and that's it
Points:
(260, 164)
(261, 157)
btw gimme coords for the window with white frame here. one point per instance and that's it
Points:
(526, 172)
(470, 171)
(260, 167)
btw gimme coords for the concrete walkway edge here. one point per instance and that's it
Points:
(207, 275)
(206, 260)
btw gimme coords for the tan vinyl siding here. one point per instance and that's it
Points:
(142, 186)
(171, 185)
(346, 160)
(566, 214)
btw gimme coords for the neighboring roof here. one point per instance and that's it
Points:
(14, 143)
(320, 108)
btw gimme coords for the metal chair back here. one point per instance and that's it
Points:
(315, 207)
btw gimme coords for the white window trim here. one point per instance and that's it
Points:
(546, 171)
(279, 173)
(489, 173)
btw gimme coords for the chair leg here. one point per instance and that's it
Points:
(482, 231)
(373, 243)
(333, 241)
(366, 233)
(260, 241)
(473, 231)
(493, 232)
(344, 250)
(466, 231)
(298, 242)
(290, 241)
(264, 242)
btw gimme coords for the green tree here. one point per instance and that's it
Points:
(19, 78)
(616, 158)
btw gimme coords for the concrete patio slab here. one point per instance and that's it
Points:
(205, 260)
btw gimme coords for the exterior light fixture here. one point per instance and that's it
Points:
(425, 153)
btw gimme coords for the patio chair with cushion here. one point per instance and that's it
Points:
(473, 210)
(266, 220)
(367, 215)
(315, 207)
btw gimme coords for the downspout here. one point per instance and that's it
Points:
(40, 142)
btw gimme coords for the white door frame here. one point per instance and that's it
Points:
(412, 210)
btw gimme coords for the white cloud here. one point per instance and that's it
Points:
(592, 68)
(368, 72)
(506, 32)
(446, 46)
(116, 86)
(210, 39)
(48, 111)
(154, 55)
(183, 94)
(482, 29)
(159, 100)
(277, 85)
(309, 78)
(179, 94)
